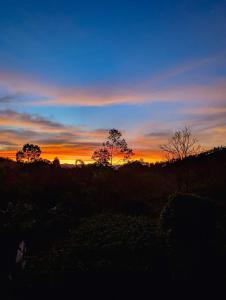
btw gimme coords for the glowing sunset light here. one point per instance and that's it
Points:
(145, 68)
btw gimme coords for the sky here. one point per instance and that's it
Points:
(72, 70)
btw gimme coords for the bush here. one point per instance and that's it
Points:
(115, 242)
(187, 217)
(187, 226)
(106, 242)
(114, 232)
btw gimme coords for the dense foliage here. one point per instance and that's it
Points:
(165, 219)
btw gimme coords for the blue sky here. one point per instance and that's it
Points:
(140, 66)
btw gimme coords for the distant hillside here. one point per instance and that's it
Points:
(213, 155)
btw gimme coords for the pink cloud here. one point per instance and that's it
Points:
(146, 92)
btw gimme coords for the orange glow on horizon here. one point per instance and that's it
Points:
(69, 156)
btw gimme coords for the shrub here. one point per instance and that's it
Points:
(187, 226)
(187, 217)
(106, 242)
(115, 242)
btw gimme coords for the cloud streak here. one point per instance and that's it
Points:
(12, 118)
(147, 91)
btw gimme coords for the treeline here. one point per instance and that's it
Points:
(167, 220)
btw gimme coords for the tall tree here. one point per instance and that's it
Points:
(29, 153)
(117, 145)
(181, 145)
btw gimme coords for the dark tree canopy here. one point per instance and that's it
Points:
(29, 153)
(101, 156)
(187, 217)
(56, 162)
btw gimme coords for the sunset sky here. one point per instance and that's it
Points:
(71, 70)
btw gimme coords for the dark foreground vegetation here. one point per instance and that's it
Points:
(166, 221)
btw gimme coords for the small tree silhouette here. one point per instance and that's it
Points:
(102, 156)
(56, 162)
(29, 153)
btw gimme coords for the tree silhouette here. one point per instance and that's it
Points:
(117, 145)
(29, 153)
(19, 156)
(102, 156)
(181, 145)
(56, 162)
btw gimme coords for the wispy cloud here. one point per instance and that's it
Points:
(12, 118)
(7, 99)
(149, 90)
(211, 92)
(158, 134)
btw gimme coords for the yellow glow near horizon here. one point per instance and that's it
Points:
(71, 157)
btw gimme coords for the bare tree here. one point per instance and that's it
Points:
(181, 145)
